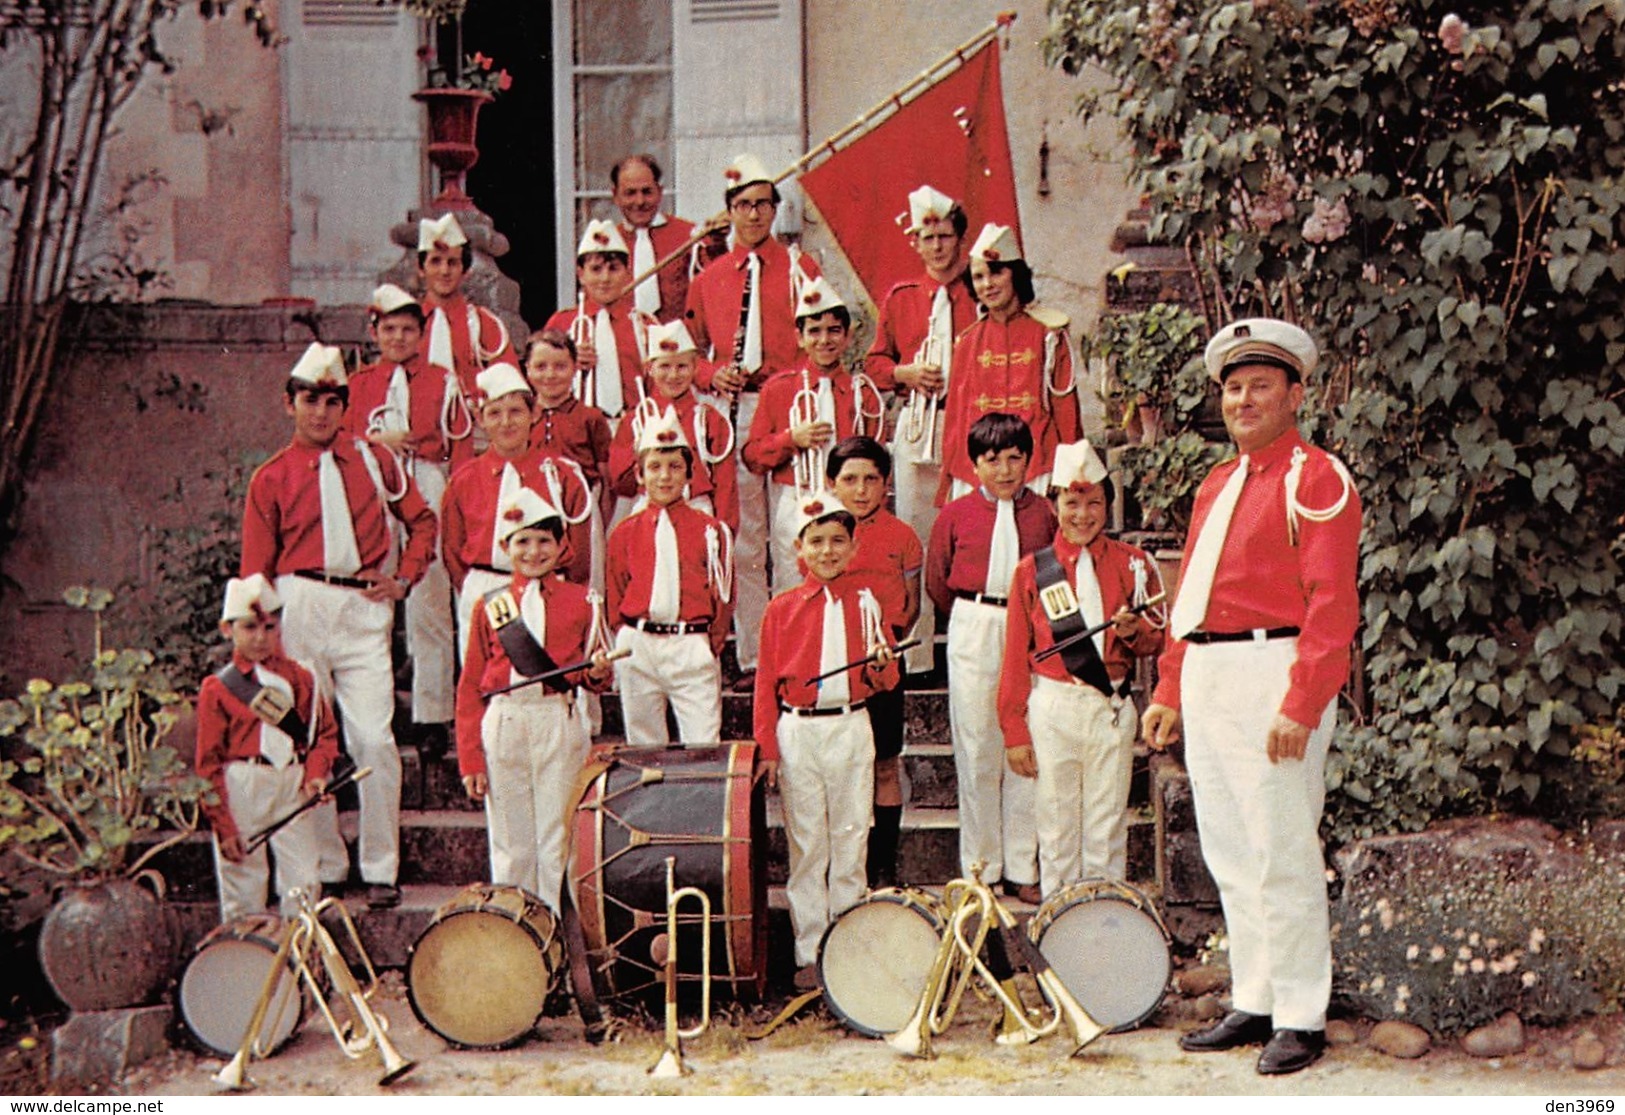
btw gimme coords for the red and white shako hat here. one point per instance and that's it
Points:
(664, 432)
(250, 596)
(601, 236)
(744, 170)
(926, 204)
(442, 233)
(1077, 465)
(670, 339)
(818, 297)
(321, 366)
(1261, 340)
(527, 509)
(996, 244)
(818, 505)
(502, 379)
(389, 299)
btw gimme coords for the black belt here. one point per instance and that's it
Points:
(693, 627)
(332, 579)
(834, 710)
(1257, 634)
(983, 598)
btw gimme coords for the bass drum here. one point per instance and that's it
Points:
(701, 806)
(874, 959)
(221, 986)
(481, 972)
(1109, 945)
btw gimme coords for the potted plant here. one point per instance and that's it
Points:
(454, 93)
(90, 793)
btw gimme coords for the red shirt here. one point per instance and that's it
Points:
(478, 338)
(769, 447)
(228, 731)
(666, 238)
(426, 388)
(719, 481)
(999, 367)
(713, 309)
(904, 314)
(575, 430)
(1263, 580)
(1027, 628)
(887, 554)
(630, 567)
(962, 539)
(282, 517)
(792, 651)
(630, 328)
(468, 514)
(569, 622)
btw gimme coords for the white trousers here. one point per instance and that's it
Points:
(827, 787)
(996, 822)
(344, 639)
(429, 632)
(915, 482)
(750, 548)
(260, 796)
(678, 670)
(1083, 742)
(535, 743)
(1259, 823)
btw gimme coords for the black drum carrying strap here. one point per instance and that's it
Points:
(528, 657)
(271, 705)
(1065, 617)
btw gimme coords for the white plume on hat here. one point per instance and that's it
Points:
(1076, 463)
(818, 504)
(670, 339)
(502, 379)
(321, 366)
(445, 232)
(527, 510)
(662, 432)
(818, 297)
(927, 204)
(249, 596)
(743, 171)
(601, 236)
(389, 298)
(1265, 339)
(996, 244)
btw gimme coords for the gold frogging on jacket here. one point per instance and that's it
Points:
(1006, 402)
(987, 358)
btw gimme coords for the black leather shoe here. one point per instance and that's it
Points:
(383, 896)
(1291, 1050)
(1234, 1030)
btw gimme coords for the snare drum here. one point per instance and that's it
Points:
(1109, 946)
(700, 806)
(481, 972)
(221, 987)
(874, 959)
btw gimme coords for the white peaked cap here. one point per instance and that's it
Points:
(818, 297)
(602, 236)
(670, 339)
(744, 170)
(526, 510)
(819, 504)
(446, 232)
(502, 379)
(1076, 463)
(1261, 340)
(664, 432)
(996, 244)
(249, 596)
(321, 366)
(927, 204)
(389, 298)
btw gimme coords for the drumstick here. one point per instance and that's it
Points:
(585, 663)
(354, 774)
(896, 650)
(1091, 632)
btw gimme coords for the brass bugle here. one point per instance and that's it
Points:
(671, 1062)
(922, 420)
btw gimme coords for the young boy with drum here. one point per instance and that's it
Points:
(1067, 718)
(520, 746)
(266, 740)
(814, 736)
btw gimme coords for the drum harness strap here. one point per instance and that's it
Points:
(270, 705)
(791, 1009)
(529, 657)
(1065, 618)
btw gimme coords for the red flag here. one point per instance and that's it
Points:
(951, 137)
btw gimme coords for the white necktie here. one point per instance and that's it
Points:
(610, 400)
(665, 592)
(276, 746)
(533, 613)
(1196, 582)
(1004, 552)
(940, 328)
(507, 492)
(826, 401)
(1089, 602)
(833, 691)
(647, 295)
(340, 554)
(440, 340)
(396, 416)
(753, 323)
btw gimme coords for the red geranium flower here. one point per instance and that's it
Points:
(482, 61)
(504, 81)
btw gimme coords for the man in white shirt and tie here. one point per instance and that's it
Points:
(636, 190)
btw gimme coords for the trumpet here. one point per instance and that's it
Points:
(671, 1057)
(922, 421)
(583, 331)
(364, 1030)
(973, 906)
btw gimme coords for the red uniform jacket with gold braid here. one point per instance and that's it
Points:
(468, 514)
(713, 310)
(904, 314)
(719, 481)
(426, 384)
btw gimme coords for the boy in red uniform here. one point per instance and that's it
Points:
(519, 752)
(975, 545)
(889, 555)
(567, 427)
(670, 581)
(815, 739)
(460, 335)
(610, 333)
(1067, 719)
(316, 523)
(266, 740)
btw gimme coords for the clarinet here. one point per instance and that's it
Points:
(739, 345)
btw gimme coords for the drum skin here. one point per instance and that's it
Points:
(701, 806)
(1106, 941)
(221, 986)
(481, 972)
(874, 959)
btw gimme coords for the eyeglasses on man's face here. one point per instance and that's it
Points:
(759, 206)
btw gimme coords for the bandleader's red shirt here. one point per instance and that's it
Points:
(426, 387)
(962, 539)
(901, 329)
(713, 309)
(719, 481)
(667, 237)
(468, 514)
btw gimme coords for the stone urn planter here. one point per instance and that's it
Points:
(109, 943)
(453, 122)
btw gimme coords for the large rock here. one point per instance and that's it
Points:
(1400, 1039)
(96, 1048)
(1500, 1038)
(1589, 1052)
